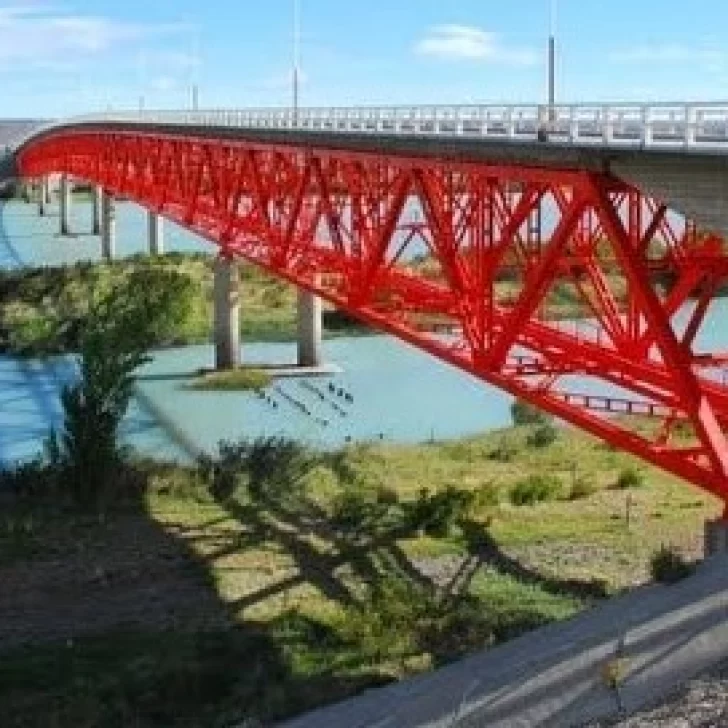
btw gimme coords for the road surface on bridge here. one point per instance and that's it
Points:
(677, 153)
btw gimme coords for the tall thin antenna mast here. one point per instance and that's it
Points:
(552, 59)
(296, 56)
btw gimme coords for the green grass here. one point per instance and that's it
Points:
(245, 379)
(301, 612)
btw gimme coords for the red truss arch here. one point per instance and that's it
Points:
(482, 265)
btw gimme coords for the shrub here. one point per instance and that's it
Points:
(543, 436)
(354, 510)
(116, 336)
(387, 496)
(667, 566)
(271, 468)
(437, 514)
(390, 619)
(582, 488)
(535, 489)
(27, 479)
(505, 451)
(524, 413)
(487, 497)
(630, 478)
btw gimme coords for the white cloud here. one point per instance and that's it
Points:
(38, 36)
(462, 42)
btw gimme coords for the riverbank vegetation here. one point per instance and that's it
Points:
(268, 579)
(41, 309)
(241, 379)
(321, 573)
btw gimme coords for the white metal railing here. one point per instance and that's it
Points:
(660, 125)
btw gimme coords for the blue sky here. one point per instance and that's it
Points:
(66, 57)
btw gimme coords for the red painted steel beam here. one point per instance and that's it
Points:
(417, 246)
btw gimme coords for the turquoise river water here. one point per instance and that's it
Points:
(395, 393)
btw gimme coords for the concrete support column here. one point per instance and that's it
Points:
(309, 329)
(42, 196)
(156, 233)
(716, 537)
(97, 195)
(108, 226)
(227, 314)
(65, 205)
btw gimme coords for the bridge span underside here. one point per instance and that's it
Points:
(530, 276)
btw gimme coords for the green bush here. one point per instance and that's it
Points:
(390, 620)
(505, 451)
(355, 510)
(524, 413)
(386, 496)
(535, 489)
(543, 436)
(667, 566)
(436, 514)
(630, 478)
(582, 488)
(27, 479)
(268, 468)
(115, 339)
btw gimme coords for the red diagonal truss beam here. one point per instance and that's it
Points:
(457, 259)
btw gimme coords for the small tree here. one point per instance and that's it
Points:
(115, 337)
(524, 413)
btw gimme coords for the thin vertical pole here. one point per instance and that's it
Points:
(296, 56)
(552, 60)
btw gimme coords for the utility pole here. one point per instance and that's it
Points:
(552, 61)
(195, 71)
(296, 56)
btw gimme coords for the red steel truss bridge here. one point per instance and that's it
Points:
(512, 253)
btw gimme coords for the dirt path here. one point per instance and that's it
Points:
(137, 577)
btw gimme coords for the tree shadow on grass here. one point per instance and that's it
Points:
(362, 567)
(115, 620)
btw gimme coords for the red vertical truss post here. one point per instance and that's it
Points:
(411, 245)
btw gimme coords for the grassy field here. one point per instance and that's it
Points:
(228, 593)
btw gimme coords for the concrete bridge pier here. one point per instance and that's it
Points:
(156, 233)
(716, 537)
(108, 226)
(227, 313)
(97, 195)
(309, 329)
(43, 195)
(65, 192)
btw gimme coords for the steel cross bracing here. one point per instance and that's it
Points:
(523, 277)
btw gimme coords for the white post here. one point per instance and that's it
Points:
(108, 227)
(156, 233)
(227, 314)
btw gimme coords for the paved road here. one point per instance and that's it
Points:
(660, 636)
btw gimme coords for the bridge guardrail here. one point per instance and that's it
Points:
(661, 125)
